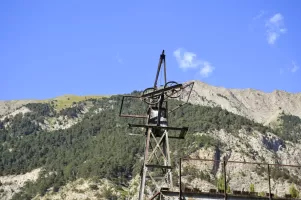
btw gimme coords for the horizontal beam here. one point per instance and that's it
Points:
(181, 135)
(159, 166)
(155, 177)
(174, 137)
(134, 116)
(159, 127)
(201, 195)
(241, 162)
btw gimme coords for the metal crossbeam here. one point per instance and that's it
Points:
(159, 127)
(159, 166)
(182, 130)
(157, 147)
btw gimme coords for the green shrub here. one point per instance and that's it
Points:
(261, 194)
(252, 188)
(293, 191)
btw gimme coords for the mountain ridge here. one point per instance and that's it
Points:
(263, 107)
(253, 104)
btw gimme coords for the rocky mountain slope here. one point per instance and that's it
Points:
(81, 145)
(12, 107)
(8, 107)
(253, 104)
(12, 184)
(250, 147)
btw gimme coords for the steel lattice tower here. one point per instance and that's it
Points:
(156, 171)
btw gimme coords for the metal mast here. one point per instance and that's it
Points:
(156, 170)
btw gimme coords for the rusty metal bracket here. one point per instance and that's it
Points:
(129, 115)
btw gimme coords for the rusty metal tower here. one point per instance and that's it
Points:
(156, 170)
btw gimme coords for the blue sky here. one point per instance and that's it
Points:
(51, 48)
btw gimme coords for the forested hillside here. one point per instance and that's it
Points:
(98, 146)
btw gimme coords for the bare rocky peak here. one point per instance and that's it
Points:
(7, 107)
(253, 104)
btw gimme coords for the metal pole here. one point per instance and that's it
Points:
(121, 106)
(270, 196)
(167, 154)
(159, 67)
(225, 181)
(165, 71)
(142, 184)
(180, 178)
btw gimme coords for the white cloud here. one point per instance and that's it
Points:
(276, 19)
(274, 28)
(272, 37)
(295, 67)
(207, 69)
(186, 59)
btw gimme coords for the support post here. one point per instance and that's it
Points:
(270, 195)
(165, 80)
(168, 163)
(162, 57)
(142, 184)
(225, 181)
(180, 178)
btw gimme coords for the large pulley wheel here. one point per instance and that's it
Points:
(172, 93)
(153, 99)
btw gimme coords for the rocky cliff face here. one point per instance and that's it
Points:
(248, 147)
(8, 107)
(13, 183)
(253, 104)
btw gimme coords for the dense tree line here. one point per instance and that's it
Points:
(290, 128)
(41, 109)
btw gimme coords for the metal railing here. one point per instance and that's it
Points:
(270, 172)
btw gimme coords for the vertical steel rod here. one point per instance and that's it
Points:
(180, 177)
(270, 195)
(169, 173)
(165, 70)
(121, 106)
(142, 185)
(225, 181)
(159, 68)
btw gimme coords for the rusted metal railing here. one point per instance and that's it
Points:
(269, 195)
